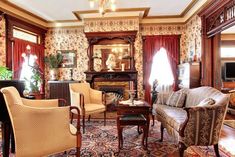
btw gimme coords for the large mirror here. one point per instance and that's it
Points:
(111, 51)
(111, 57)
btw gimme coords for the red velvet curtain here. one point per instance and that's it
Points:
(19, 48)
(151, 46)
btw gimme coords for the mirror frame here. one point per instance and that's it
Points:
(109, 38)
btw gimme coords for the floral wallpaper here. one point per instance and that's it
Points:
(2, 41)
(68, 39)
(108, 25)
(74, 39)
(192, 39)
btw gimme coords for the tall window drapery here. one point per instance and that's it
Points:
(152, 45)
(19, 47)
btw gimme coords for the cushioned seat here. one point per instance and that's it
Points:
(40, 127)
(173, 116)
(197, 122)
(89, 101)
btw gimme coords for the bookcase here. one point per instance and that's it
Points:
(189, 75)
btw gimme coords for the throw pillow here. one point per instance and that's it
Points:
(176, 99)
(162, 98)
(207, 102)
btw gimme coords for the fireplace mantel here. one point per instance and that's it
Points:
(112, 76)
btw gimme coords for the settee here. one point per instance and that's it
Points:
(196, 122)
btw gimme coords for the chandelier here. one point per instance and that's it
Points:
(103, 5)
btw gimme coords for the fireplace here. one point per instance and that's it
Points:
(115, 83)
(118, 88)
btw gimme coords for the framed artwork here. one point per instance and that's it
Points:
(69, 58)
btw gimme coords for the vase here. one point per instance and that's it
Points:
(97, 64)
(54, 74)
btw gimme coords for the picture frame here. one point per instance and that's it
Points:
(69, 58)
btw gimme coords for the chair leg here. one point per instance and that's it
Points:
(153, 120)
(104, 118)
(216, 148)
(12, 141)
(89, 118)
(162, 130)
(5, 138)
(83, 123)
(182, 148)
(78, 151)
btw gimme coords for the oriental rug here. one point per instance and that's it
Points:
(102, 141)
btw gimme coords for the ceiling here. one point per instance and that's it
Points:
(52, 11)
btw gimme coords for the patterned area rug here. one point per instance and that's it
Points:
(102, 141)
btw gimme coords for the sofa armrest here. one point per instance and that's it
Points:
(203, 124)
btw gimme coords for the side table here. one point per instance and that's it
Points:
(133, 114)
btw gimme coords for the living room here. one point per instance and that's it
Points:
(85, 37)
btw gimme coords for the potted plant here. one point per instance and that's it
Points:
(33, 85)
(54, 61)
(5, 73)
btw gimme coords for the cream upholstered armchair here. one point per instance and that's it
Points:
(40, 127)
(88, 100)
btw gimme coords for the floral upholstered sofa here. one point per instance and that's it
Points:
(192, 116)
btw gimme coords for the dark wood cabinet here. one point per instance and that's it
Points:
(189, 75)
(60, 89)
(4, 116)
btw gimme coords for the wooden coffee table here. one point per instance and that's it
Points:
(133, 115)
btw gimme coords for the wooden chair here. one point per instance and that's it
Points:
(41, 127)
(89, 101)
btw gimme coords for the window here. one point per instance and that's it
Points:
(227, 52)
(161, 70)
(24, 35)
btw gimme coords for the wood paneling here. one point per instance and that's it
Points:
(214, 20)
(60, 89)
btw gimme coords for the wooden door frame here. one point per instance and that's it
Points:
(214, 20)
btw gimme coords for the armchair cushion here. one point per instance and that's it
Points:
(92, 108)
(176, 99)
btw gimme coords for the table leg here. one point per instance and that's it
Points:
(120, 138)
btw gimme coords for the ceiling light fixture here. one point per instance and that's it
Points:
(103, 5)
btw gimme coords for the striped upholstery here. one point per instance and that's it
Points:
(176, 99)
(204, 122)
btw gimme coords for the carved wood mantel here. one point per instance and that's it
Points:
(117, 76)
(128, 75)
(105, 38)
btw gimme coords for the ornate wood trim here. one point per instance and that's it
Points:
(12, 22)
(110, 38)
(216, 17)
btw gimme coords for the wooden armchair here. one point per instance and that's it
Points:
(89, 101)
(40, 130)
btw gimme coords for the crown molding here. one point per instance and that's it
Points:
(15, 11)
(191, 10)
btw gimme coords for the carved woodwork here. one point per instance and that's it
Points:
(115, 76)
(111, 38)
(60, 89)
(105, 38)
(12, 22)
(216, 17)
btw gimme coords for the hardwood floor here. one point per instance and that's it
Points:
(227, 138)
